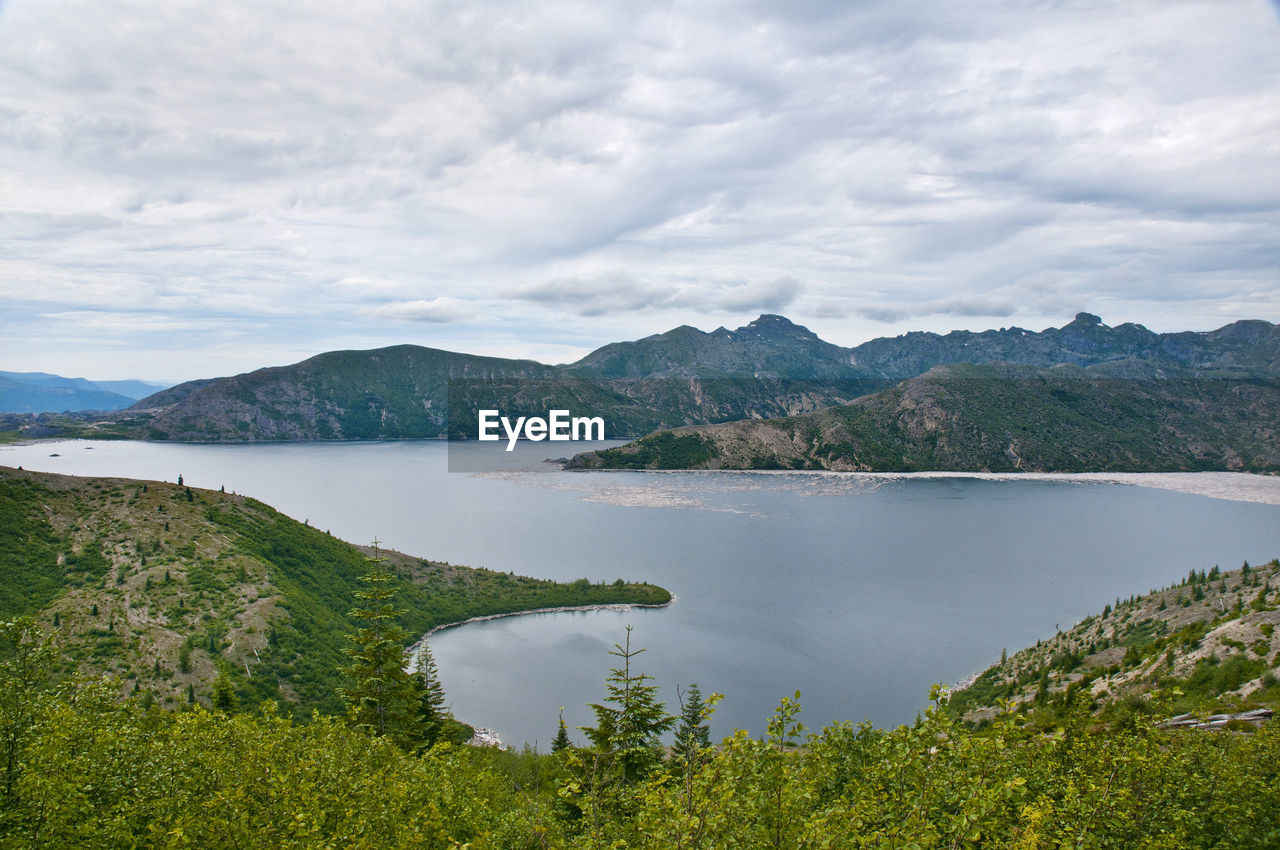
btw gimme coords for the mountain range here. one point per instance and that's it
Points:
(41, 392)
(774, 346)
(768, 368)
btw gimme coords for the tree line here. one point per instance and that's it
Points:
(81, 767)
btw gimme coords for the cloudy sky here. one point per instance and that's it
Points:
(192, 189)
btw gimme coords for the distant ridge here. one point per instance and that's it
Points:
(774, 346)
(768, 368)
(39, 393)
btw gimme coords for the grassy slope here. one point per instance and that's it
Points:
(1215, 637)
(996, 418)
(140, 575)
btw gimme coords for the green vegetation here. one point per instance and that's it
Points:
(432, 716)
(86, 769)
(87, 425)
(408, 391)
(1207, 644)
(693, 734)
(380, 698)
(167, 588)
(663, 450)
(29, 571)
(995, 418)
(629, 723)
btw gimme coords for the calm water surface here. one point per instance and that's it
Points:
(859, 591)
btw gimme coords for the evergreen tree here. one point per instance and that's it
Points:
(1042, 692)
(631, 721)
(693, 735)
(224, 694)
(561, 740)
(430, 696)
(381, 698)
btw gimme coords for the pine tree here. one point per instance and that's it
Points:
(381, 699)
(631, 722)
(693, 735)
(432, 713)
(224, 694)
(561, 740)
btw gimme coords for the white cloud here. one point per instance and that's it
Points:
(615, 292)
(763, 296)
(595, 295)
(436, 310)
(618, 168)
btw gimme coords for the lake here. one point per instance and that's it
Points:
(857, 590)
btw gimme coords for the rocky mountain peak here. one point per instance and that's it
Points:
(769, 324)
(1083, 321)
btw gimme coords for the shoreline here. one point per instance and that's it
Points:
(559, 609)
(487, 737)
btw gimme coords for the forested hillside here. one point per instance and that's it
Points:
(143, 590)
(165, 587)
(995, 418)
(85, 769)
(1209, 642)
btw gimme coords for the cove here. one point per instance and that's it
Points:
(858, 590)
